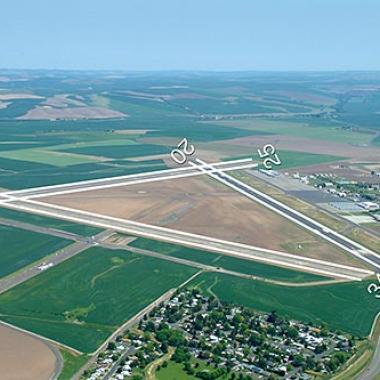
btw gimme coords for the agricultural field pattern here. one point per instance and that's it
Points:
(128, 200)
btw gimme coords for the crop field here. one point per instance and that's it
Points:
(20, 248)
(81, 301)
(291, 159)
(42, 156)
(307, 130)
(120, 151)
(45, 221)
(23, 174)
(226, 262)
(346, 307)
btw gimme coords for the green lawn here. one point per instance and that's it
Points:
(347, 307)
(20, 248)
(71, 364)
(45, 221)
(81, 301)
(227, 262)
(175, 371)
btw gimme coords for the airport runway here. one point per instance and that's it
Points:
(317, 228)
(193, 240)
(127, 180)
(24, 200)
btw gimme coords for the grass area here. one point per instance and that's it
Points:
(20, 248)
(71, 364)
(291, 159)
(150, 370)
(23, 174)
(45, 156)
(120, 151)
(227, 262)
(307, 130)
(176, 371)
(44, 221)
(347, 307)
(357, 363)
(364, 238)
(81, 301)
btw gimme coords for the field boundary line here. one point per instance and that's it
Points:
(41, 337)
(134, 319)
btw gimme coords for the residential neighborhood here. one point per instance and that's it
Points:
(231, 341)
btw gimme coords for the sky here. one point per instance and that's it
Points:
(216, 35)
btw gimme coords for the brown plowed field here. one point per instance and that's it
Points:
(24, 357)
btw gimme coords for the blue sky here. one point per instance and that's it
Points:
(191, 34)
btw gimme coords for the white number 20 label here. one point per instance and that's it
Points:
(183, 150)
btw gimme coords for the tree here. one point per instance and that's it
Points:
(272, 318)
(292, 332)
(181, 355)
(298, 360)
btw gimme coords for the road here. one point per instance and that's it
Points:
(211, 268)
(133, 321)
(193, 240)
(42, 230)
(24, 200)
(56, 258)
(350, 246)
(373, 368)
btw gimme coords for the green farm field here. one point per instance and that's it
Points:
(226, 262)
(292, 159)
(347, 307)
(81, 301)
(20, 248)
(24, 174)
(309, 130)
(121, 151)
(45, 221)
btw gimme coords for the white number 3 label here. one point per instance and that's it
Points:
(374, 288)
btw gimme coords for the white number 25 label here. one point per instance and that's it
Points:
(268, 153)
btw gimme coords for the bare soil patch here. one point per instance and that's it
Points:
(24, 357)
(202, 206)
(53, 113)
(302, 144)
